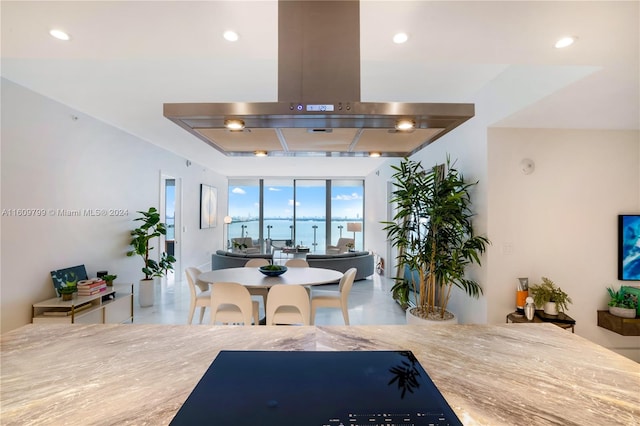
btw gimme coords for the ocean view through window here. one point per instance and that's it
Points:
(306, 212)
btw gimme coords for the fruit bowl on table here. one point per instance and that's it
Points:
(273, 270)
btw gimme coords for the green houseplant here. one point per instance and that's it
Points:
(150, 228)
(622, 304)
(109, 279)
(549, 296)
(433, 235)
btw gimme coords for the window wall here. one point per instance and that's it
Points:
(307, 212)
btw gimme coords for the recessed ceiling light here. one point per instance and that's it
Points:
(400, 38)
(405, 124)
(60, 35)
(260, 153)
(565, 42)
(374, 154)
(230, 36)
(234, 124)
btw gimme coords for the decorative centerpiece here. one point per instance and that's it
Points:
(622, 304)
(550, 297)
(273, 270)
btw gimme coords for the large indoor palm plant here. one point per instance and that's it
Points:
(433, 235)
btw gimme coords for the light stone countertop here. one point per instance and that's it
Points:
(526, 374)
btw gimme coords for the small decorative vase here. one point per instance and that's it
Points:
(529, 308)
(109, 283)
(67, 296)
(551, 308)
(622, 312)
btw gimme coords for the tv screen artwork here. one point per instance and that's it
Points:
(629, 247)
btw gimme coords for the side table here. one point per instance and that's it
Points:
(561, 320)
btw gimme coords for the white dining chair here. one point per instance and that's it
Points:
(334, 298)
(296, 263)
(231, 303)
(288, 304)
(256, 263)
(258, 291)
(200, 293)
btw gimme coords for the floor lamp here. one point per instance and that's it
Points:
(354, 227)
(225, 242)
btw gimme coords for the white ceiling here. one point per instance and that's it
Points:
(126, 59)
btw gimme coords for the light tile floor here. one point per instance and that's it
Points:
(370, 302)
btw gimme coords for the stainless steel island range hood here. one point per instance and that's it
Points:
(318, 112)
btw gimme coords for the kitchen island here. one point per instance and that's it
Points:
(526, 374)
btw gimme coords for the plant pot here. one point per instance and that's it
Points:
(418, 320)
(67, 296)
(550, 308)
(109, 283)
(622, 312)
(146, 293)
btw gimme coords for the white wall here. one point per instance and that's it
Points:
(52, 161)
(561, 221)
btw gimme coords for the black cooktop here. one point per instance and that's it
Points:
(315, 388)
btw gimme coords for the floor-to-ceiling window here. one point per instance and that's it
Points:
(278, 210)
(311, 214)
(244, 208)
(308, 212)
(347, 206)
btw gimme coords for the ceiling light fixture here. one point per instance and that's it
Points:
(60, 35)
(565, 42)
(400, 38)
(260, 153)
(405, 124)
(374, 154)
(234, 124)
(230, 36)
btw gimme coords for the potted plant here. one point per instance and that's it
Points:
(67, 289)
(141, 238)
(550, 297)
(109, 279)
(434, 237)
(622, 304)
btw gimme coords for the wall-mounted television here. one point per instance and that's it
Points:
(629, 247)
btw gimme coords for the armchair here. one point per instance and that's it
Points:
(342, 246)
(244, 245)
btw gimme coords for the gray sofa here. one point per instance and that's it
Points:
(362, 260)
(223, 259)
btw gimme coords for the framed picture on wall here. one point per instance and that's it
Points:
(629, 247)
(208, 206)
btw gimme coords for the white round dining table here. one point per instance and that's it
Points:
(252, 277)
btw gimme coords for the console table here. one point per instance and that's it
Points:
(561, 320)
(115, 305)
